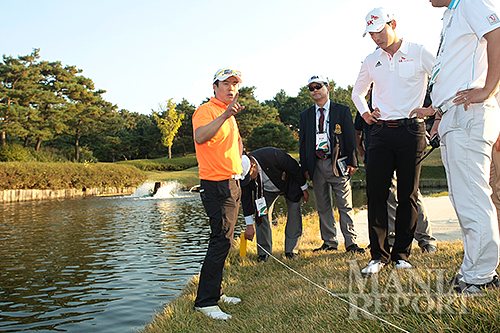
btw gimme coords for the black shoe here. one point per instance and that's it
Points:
(429, 248)
(325, 247)
(354, 248)
(476, 289)
(455, 281)
(263, 258)
(291, 256)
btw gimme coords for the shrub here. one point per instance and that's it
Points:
(39, 175)
(15, 152)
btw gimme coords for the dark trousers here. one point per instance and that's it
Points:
(393, 148)
(221, 200)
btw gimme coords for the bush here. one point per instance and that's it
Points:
(57, 176)
(85, 155)
(15, 152)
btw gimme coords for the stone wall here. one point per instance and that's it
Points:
(26, 195)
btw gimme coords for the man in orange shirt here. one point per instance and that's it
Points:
(218, 150)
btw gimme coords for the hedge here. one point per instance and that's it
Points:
(57, 176)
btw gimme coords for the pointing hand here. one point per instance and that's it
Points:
(234, 107)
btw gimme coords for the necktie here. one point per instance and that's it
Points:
(320, 152)
(321, 121)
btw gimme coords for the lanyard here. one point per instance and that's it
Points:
(439, 59)
(260, 185)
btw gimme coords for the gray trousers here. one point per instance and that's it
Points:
(423, 233)
(293, 228)
(323, 182)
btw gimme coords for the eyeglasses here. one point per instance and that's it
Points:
(318, 86)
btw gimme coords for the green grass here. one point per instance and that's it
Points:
(188, 177)
(164, 163)
(434, 159)
(276, 299)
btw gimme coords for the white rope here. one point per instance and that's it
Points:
(329, 292)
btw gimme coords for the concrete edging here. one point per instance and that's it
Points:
(28, 195)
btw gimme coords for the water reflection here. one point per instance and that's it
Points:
(92, 264)
(100, 264)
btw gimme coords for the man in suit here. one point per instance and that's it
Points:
(270, 172)
(328, 158)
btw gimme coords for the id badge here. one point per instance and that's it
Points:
(260, 203)
(321, 141)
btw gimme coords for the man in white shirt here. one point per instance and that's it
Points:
(464, 81)
(398, 70)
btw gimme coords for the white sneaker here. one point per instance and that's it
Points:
(403, 264)
(213, 312)
(373, 267)
(229, 300)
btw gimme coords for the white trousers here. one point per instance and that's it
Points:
(466, 143)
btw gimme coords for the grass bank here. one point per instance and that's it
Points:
(276, 299)
(432, 169)
(188, 178)
(164, 163)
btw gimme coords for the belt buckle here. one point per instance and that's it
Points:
(440, 111)
(392, 123)
(443, 108)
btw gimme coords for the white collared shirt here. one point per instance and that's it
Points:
(399, 81)
(463, 61)
(326, 124)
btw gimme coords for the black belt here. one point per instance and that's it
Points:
(399, 122)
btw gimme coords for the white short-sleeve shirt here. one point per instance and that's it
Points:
(464, 61)
(399, 81)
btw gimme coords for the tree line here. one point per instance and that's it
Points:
(50, 106)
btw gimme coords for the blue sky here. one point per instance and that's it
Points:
(145, 52)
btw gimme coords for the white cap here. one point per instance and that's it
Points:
(224, 73)
(317, 78)
(376, 20)
(245, 165)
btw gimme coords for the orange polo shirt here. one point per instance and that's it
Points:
(218, 158)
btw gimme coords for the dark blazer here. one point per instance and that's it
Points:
(283, 171)
(341, 134)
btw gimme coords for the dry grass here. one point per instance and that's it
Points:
(276, 299)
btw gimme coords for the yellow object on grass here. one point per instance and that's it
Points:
(243, 245)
